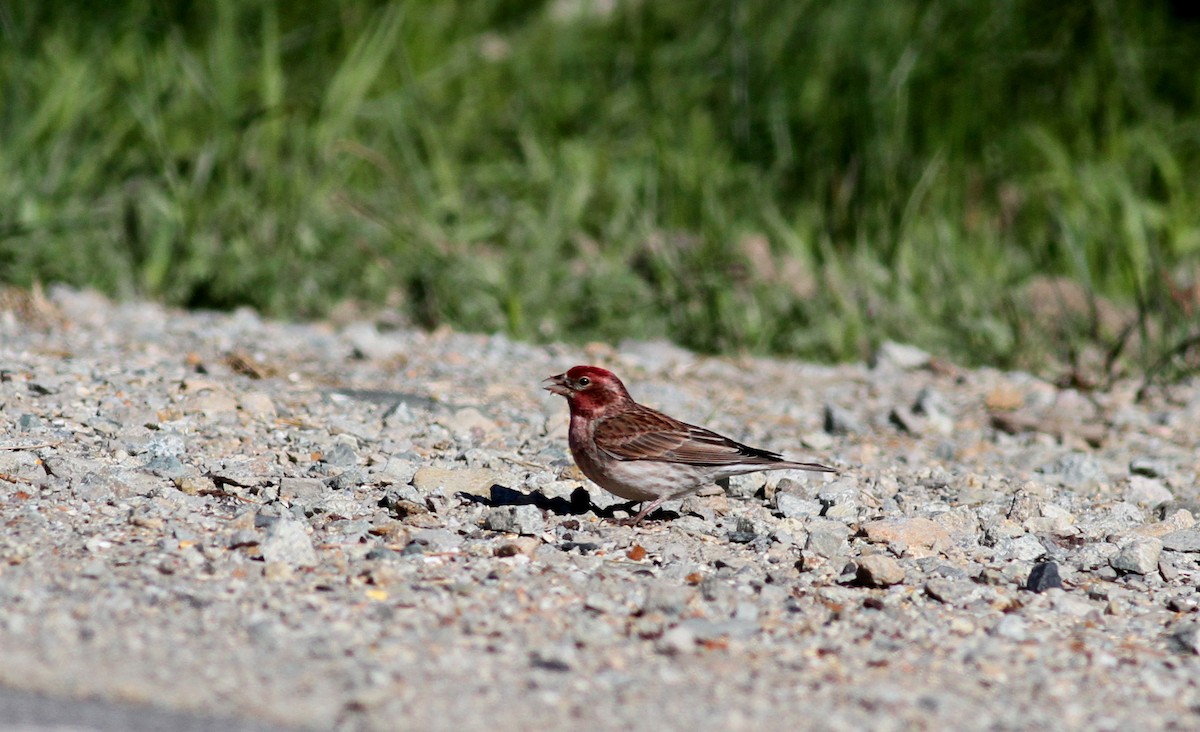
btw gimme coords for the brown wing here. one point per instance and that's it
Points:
(644, 434)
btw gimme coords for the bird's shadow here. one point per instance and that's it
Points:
(579, 503)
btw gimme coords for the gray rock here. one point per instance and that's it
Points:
(1011, 627)
(348, 479)
(215, 406)
(108, 485)
(1053, 521)
(1147, 491)
(287, 542)
(302, 491)
(95, 568)
(744, 532)
(787, 538)
(840, 499)
(397, 470)
(369, 343)
(841, 421)
(340, 455)
(710, 630)
(469, 423)
(1023, 548)
(559, 658)
(1027, 503)
(382, 553)
(791, 505)
(71, 468)
(601, 603)
(437, 540)
(933, 406)
(165, 443)
(904, 420)
(338, 505)
(677, 640)
(698, 506)
(930, 402)
(1139, 556)
(666, 598)
(403, 493)
(257, 405)
(816, 441)
(246, 471)
(1187, 540)
(166, 466)
(602, 499)
(952, 591)
(243, 538)
(1073, 604)
(1148, 467)
(526, 519)
(1188, 604)
(1185, 637)
(1077, 470)
(827, 538)
(23, 465)
(961, 523)
(745, 486)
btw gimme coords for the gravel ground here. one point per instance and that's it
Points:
(343, 526)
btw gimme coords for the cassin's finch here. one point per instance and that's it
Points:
(640, 454)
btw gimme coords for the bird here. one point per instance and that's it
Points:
(640, 454)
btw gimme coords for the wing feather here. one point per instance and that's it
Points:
(646, 434)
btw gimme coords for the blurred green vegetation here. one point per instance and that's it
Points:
(1014, 183)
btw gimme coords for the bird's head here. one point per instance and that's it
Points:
(588, 389)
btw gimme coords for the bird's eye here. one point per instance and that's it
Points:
(583, 381)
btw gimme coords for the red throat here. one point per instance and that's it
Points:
(590, 404)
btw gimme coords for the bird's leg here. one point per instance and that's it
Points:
(644, 512)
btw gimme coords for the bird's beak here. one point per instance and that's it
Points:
(557, 384)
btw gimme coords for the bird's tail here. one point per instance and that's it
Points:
(811, 467)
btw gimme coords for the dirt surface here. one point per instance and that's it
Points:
(319, 526)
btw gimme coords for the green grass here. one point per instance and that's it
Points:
(800, 178)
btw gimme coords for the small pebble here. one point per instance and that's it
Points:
(1139, 556)
(879, 570)
(1044, 576)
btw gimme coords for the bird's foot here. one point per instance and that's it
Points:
(637, 519)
